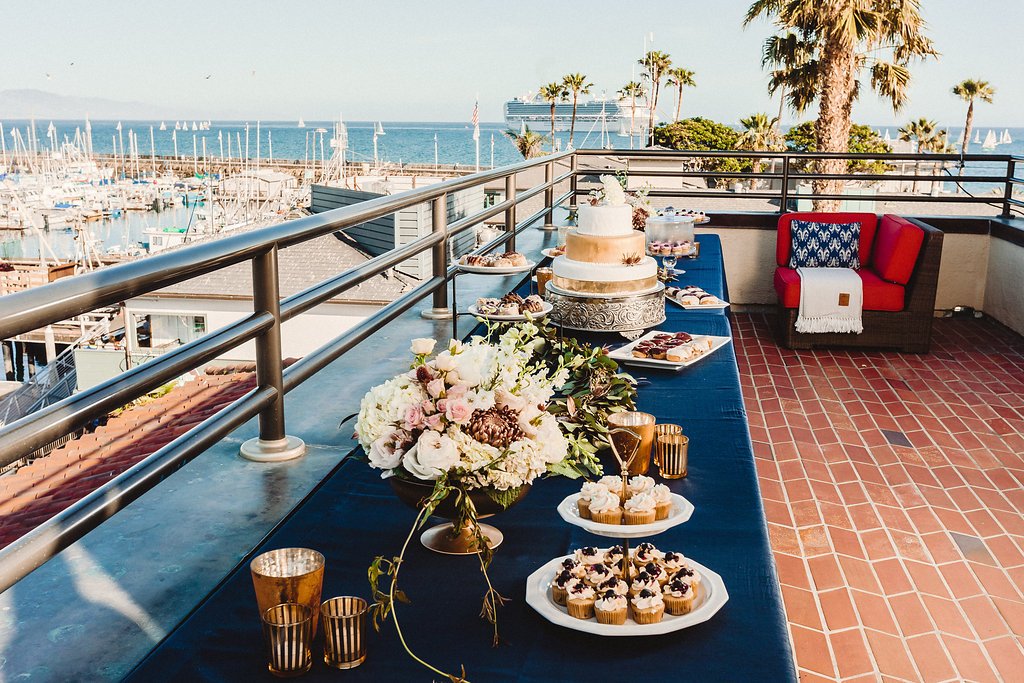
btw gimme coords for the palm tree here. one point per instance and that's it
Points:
(793, 82)
(831, 43)
(760, 134)
(632, 90)
(970, 90)
(923, 132)
(528, 142)
(655, 63)
(552, 93)
(680, 78)
(576, 84)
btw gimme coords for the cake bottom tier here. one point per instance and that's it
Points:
(598, 287)
(622, 313)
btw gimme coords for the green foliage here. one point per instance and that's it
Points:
(863, 140)
(504, 498)
(700, 134)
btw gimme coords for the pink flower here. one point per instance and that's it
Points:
(435, 387)
(435, 422)
(414, 418)
(458, 411)
(428, 407)
(442, 405)
(457, 391)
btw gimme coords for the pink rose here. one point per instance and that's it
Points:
(434, 422)
(457, 391)
(442, 405)
(435, 387)
(458, 411)
(428, 407)
(414, 418)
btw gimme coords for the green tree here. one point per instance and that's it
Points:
(760, 134)
(577, 85)
(680, 78)
(528, 142)
(968, 91)
(833, 42)
(700, 134)
(923, 132)
(553, 93)
(655, 65)
(862, 140)
(632, 90)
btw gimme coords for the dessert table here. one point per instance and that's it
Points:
(353, 516)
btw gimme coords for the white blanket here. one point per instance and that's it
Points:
(831, 300)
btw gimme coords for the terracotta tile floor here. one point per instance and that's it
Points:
(894, 491)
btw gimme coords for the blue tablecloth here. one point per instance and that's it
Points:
(354, 516)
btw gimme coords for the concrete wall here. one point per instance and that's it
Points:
(964, 261)
(1004, 286)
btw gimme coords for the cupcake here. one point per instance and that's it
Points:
(678, 597)
(589, 555)
(644, 581)
(613, 558)
(648, 607)
(644, 553)
(662, 501)
(605, 509)
(640, 484)
(588, 490)
(615, 585)
(687, 574)
(613, 484)
(611, 608)
(573, 566)
(672, 562)
(580, 600)
(598, 574)
(640, 509)
(656, 572)
(560, 586)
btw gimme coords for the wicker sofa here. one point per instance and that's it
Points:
(900, 270)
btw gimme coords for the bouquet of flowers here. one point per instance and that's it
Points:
(615, 191)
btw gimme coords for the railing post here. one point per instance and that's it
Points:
(549, 197)
(573, 180)
(1011, 171)
(784, 198)
(439, 259)
(510, 212)
(273, 444)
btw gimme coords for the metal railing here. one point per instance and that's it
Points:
(35, 308)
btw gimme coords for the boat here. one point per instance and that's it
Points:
(177, 125)
(163, 126)
(990, 141)
(378, 129)
(302, 124)
(977, 137)
(536, 113)
(194, 126)
(1006, 139)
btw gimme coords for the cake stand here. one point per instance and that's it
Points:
(627, 313)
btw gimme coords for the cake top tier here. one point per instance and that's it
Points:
(605, 219)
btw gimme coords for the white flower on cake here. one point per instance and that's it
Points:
(612, 191)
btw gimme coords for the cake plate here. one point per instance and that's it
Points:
(681, 511)
(606, 313)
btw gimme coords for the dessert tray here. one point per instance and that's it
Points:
(624, 354)
(497, 270)
(681, 511)
(552, 252)
(511, 318)
(710, 599)
(675, 294)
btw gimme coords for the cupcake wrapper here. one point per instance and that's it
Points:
(662, 511)
(617, 617)
(613, 517)
(677, 606)
(639, 517)
(580, 609)
(583, 507)
(649, 616)
(559, 595)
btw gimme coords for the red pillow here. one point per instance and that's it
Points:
(897, 245)
(784, 241)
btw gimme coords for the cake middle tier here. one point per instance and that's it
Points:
(604, 278)
(607, 249)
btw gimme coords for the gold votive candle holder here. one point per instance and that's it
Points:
(641, 426)
(288, 637)
(544, 276)
(672, 455)
(344, 621)
(289, 575)
(664, 428)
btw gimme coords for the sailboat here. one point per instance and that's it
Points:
(194, 126)
(163, 126)
(177, 125)
(977, 137)
(960, 140)
(1006, 139)
(302, 124)
(378, 129)
(990, 141)
(888, 138)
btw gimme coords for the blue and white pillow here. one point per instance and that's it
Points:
(825, 245)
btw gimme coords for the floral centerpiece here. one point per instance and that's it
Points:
(615, 191)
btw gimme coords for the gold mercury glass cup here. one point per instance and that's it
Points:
(543, 277)
(641, 425)
(344, 631)
(661, 430)
(288, 637)
(289, 575)
(672, 455)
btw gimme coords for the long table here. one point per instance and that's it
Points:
(353, 516)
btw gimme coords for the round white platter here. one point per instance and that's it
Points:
(551, 253)
(711, 597)
(681, 511)
(494, 270)
(511, 318)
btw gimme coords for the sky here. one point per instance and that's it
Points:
(406, 60)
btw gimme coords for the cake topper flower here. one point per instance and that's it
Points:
(612, 190)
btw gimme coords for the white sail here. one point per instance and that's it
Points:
(888, 138)
(960, 140)
(177, 125)
(378, 129)
(977, 137)
(163, 125)
(1006, 139)
(194, 126)
(990, 141)
(302, 124)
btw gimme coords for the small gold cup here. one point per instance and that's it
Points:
(667, 428)
(672, 455)
(543, 278)
(288, 637)
(641, 426)
(289, 575)
(344, 631)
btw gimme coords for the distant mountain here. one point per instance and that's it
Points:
(25, 104)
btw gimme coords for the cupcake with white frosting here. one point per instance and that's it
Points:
(644, 553)
(613, 558)
(648, 607)
(589, 555)
(573, 566)
(614, 484)
(560, 586)
(656, 572)
(679, 596)
(611, 608)
(605, 508)
(688, 574)
(598, 574)
(614, 584)
(640, 509)
(580, 600)
(588, 490)
(672, 562)
(640, 484)
(643, 581)
(662, 501)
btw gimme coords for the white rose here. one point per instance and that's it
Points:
(469, 373)
(432, 456)
(423, 346)
(383, 454)
(444, 361)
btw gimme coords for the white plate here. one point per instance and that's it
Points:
(698, 307)
(681, 511)
(550, 253)
(624, 354)
(711, 599)
(493, 270)
(511, 318)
